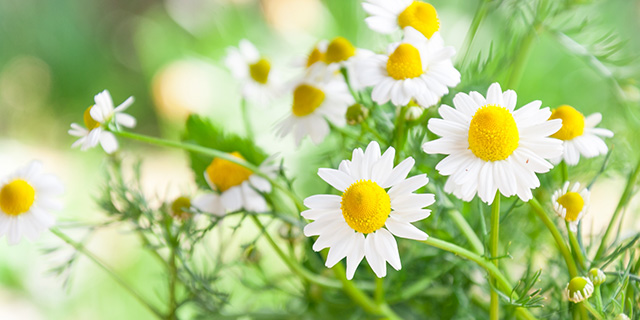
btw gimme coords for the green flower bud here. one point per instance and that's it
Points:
(621, 316)
(356, 114)
(597, 276)
(180, 207)
(579, 289)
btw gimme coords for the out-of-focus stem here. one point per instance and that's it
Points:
(247, 121)
(483, 8)
(466, 229)
(494, 306)
(577, 251)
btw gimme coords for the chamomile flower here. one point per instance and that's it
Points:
(579, 289)
(26, 198)
(491, 147)
(238, 187)
(597, 276)
(389, 16)
(579, 135)
(415, 68)
(571, 204)
(97, 119)
(377, 202)
(315, 103)
(327, 58)
(253, 71)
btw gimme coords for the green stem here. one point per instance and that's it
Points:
(82, 249)
(591, 310)
(373, 132)
(598, 296)
(494, 306)
(293, 265)
(562, 246)
(624, 199)
(577, 251)
(400, 133)
(564, 170)
(212, 153)
(502, 282)
(483, 8)
(247, 121)
(517, 68)
(172, 243)
(379, 293)
(466, 229)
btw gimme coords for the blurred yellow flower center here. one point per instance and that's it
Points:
(421, 16)
(365, 206)
(306, 99)
(493, 134)
(573, 203)
(260, 71)
(404, 62)
(180, 206)
(16, 197)
(572, 122)
(225, 174)
(314, 57)
(88, 120)
(340, 49)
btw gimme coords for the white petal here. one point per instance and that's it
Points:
(376, 261)
(404, 230)
(388, 248)
(354, 257)
(108, 142)
(323, 201)
(336, 178)
(399, 173)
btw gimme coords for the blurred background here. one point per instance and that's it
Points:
(56, 55)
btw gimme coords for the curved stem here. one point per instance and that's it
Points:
(591, 310)
(562, 246)
(494, 307)
(82, 249)
(245, 118)
(212, 153)
(577, 251)
(468, 232)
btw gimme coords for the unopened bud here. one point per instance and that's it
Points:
(356, 114)
(180, 208)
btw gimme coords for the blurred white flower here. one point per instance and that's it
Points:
(388, 16)
(258, 81)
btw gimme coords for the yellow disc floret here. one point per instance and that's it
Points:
(572, 122)
(493, 134)
(421, 16)
(340, 49)
(180, 207)
(314, 57)
(404, 62)
(306, 99)
(260, 71)
(365, 206)
(89, 122)
(573, 203)
(225, 174)
(17, 197)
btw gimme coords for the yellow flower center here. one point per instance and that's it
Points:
(573, 203)
(493, 134)
(340, 49)
(572, 122)
(421, 16)
(577, 284)
(260, 71)
(306, 99)
(89, 122)
(17, 197)
(179, 208)
(314, 57)
(404, 62)
(365, 206)
(225, 174)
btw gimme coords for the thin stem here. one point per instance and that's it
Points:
(591, 310)
(483, 8)
(400, 133)
(212, 153)
(466, 229)
(517, 68)
(577, 251)
(82, 249)
(247, 121)
(562, 246)
(172, 242)
(379, 293)
(598, 296)
(293, 265)
(502, 282)
(624, 199)
(373, 132)
(494, 307)
(564, 170)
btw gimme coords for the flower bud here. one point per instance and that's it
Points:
(579, 289)
(180, 208)
(621, 316)
(597, 276)
(356, 113)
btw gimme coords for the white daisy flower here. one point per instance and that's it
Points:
(327, 58)
(96, 121)
(390, 16)
(571, 205)
(491, 147)
(416, 68)
(238, 187)
(258, 81)
(579, 289)
(315, 103)
(377, 202)
(579, 135)
(26, 198)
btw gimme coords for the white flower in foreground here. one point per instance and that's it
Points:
(253, 71)
(238, 186)
(389, 16)
(377, 202)
(579, 289)
(96, 120)
(579, 135)
(26, 198)
(315, 103)
(572, 204)
(326, 59)
(416, 68)
(492, 147)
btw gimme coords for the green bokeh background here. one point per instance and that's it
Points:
(56, 55)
